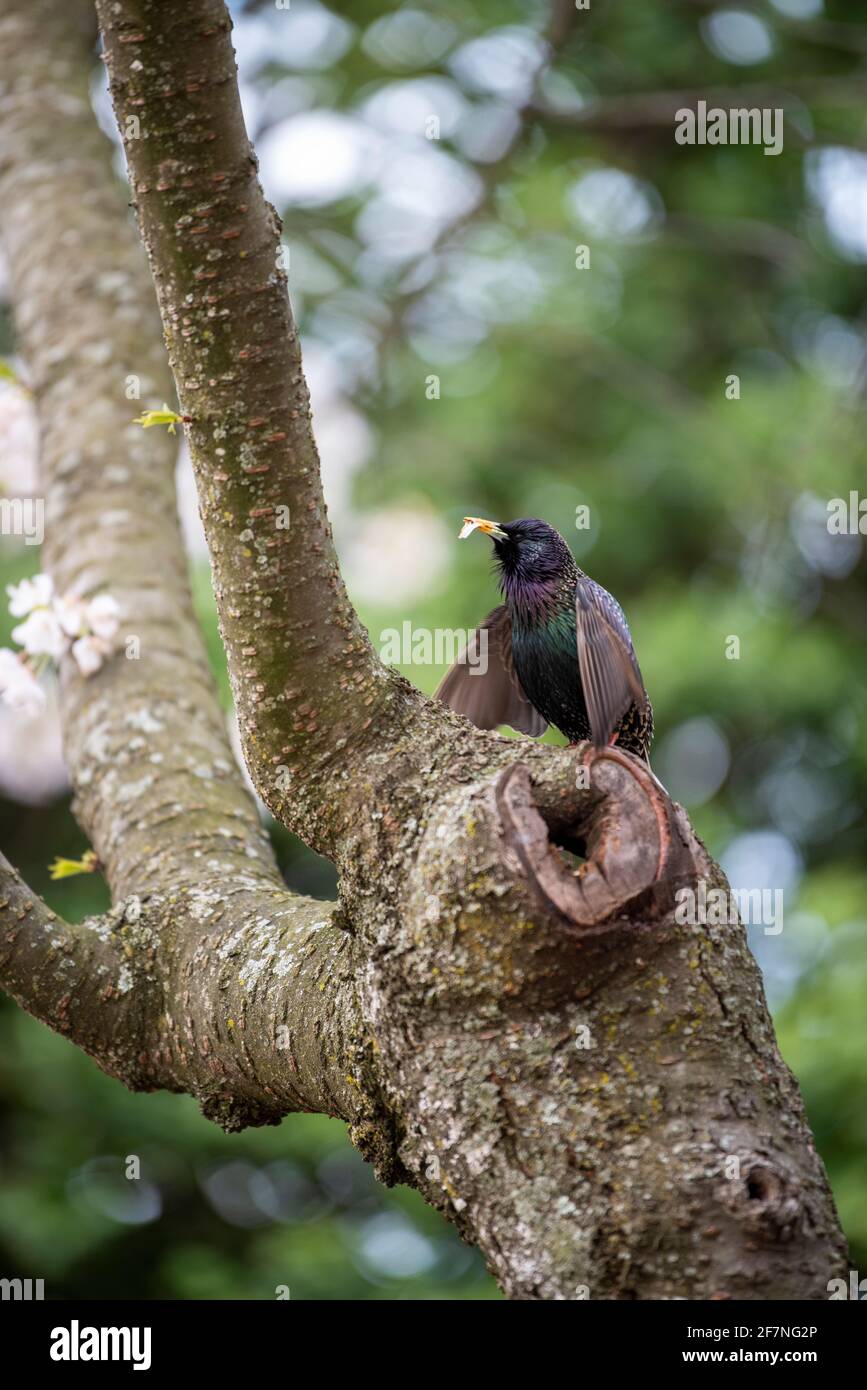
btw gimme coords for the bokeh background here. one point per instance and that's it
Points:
(437, 167)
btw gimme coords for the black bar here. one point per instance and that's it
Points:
(237, 1337)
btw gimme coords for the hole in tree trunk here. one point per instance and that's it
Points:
(572, 847)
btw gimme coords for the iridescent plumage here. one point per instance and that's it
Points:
(559, 649)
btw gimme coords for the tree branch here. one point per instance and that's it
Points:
(83, 981)
(639, 112)
(482, 957)
(204, 912)
(303, 673)
(546, 1053)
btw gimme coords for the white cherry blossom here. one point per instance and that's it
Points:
(89, 653)
(55, 625)
(29, 594)
(70, 611)
(103, 616)
(41, 634)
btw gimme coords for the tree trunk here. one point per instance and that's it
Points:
(588, 1088)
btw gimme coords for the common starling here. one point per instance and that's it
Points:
(559, 650)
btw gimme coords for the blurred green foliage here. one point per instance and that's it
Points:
(558, 388)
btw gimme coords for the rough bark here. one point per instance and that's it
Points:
(156, 787)
(439, 1006)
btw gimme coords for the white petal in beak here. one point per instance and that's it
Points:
(478, 523)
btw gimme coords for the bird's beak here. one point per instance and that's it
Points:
(478, 523)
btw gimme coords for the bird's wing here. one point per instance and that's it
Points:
(610, 675)
(490, 693)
